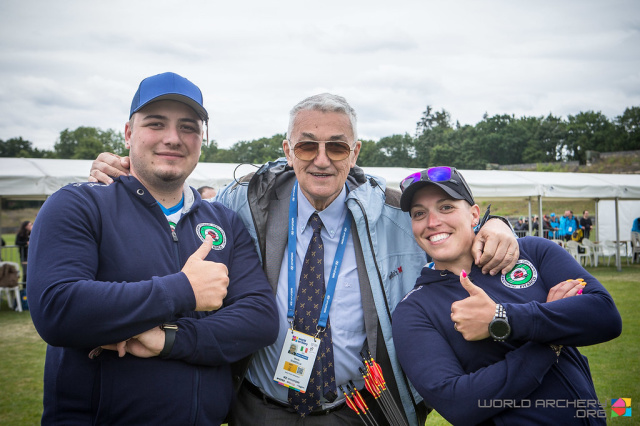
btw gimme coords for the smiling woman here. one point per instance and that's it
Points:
(443, 215)
(466, 337)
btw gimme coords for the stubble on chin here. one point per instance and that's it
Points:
(159, 179)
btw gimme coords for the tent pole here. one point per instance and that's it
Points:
(618, 261)
(530, 224)
(595, 212)
(540, 218)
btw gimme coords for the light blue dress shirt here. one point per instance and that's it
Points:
(346, 314)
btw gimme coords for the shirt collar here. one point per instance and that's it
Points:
(332, 217)
(185, 203)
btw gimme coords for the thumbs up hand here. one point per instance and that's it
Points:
(471, 316)
(209, 280)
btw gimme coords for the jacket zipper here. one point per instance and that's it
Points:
(194, 408)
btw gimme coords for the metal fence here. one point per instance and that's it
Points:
(547, 234)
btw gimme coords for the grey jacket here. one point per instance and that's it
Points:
(388, 258)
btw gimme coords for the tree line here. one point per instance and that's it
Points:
(499, 139)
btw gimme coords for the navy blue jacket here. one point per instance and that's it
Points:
(470, 382)
(105, 266)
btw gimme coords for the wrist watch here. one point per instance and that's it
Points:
(499, 327)
(170, 331)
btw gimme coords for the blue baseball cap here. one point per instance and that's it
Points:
(168, 86)
(552, 215)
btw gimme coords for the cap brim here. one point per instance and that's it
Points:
(407, 196)
(202, 113)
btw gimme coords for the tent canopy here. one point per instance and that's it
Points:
(36, 178)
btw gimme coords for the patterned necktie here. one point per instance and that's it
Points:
(308, 306)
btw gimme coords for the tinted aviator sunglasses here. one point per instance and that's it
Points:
(335, 150)
(436, 174)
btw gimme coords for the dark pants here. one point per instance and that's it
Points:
(252, 410)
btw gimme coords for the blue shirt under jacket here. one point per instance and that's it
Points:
(470, 382)
(106, 266)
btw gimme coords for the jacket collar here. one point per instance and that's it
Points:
(191, 197)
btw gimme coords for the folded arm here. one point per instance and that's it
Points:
(588, 319)
(247, 321)
(434, 369)
(69, 306)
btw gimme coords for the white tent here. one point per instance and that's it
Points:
(28, 178)
(37, 178)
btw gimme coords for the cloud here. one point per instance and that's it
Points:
(73, 63)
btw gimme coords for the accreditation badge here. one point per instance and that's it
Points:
(296, 360)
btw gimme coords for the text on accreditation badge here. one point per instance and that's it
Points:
(296, 360)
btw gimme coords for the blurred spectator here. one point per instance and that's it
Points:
(555, 225)
(3, 244)
(635, 234)
(585, 224)
(207, 192)
(22, 241)
(546, 227)
(534, 225)
(568, 225)
(521, 227)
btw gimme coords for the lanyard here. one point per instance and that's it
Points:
(291, 255)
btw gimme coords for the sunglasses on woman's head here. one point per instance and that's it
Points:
(438, 174)
(335, 150)
(434, 174)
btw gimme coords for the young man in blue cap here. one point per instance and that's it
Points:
(149, 293)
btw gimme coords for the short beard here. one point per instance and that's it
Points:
(164, 182)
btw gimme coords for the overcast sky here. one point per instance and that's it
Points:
(75, 63)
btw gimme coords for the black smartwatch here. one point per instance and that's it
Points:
(170, 331)
(499, 327)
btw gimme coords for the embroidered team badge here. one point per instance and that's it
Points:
(219, 237)
(523, 275)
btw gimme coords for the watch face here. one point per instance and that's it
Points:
(499, 328)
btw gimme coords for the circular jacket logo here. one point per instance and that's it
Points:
(523, 275)
(219, 238)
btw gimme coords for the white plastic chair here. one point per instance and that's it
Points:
(609, 250)
(595, 250)
(573, 247)
(635, 246)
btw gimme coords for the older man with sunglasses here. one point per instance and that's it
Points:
(370, 262)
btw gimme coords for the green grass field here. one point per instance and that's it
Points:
(615, 365)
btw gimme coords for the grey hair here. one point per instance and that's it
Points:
(325, 102)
